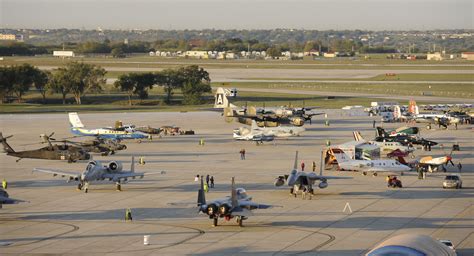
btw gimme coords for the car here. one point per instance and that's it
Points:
(452, 181)
(448, 243)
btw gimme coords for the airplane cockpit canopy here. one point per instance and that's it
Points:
(241, 193)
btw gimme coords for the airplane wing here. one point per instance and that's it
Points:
(8, 200)
(249, 205)
(72, 176)
(314, 176)
(119, 176)
(241, 212)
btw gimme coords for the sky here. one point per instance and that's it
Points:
(239, 14)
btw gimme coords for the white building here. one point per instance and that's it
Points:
(63, 54)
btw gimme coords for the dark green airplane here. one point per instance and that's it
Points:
(98, 145)
(50, 152)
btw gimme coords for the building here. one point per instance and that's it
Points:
(467, 55)
(63, 54)
(196, 54)
(330, 54)
(434, 56)
(11, 37)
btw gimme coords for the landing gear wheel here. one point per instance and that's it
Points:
(241, 222)
(375, 174)
(364, 173)
(118, 187)
(86, 190)
(79, 186)
(214, 224)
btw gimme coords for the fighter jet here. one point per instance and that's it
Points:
(302, 182)
(77, 128)
(50, 152)
(386, 147)
(5, 198)
(346, 163)
(382, 136)
(96, 170)
(238, 205)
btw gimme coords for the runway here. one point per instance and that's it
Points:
(60, 220)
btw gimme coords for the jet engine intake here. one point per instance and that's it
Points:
(280, 181)
(323, 184)
(212, 209)
(115, 166)
(224, 210)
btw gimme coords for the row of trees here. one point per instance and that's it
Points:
(75, 78)
(79, 79)
(192, 80)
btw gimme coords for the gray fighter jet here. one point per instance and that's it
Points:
(5, 198)
(302, 182)
(95, 170)
(238, 205)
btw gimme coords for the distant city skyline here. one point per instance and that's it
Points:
(239, 14)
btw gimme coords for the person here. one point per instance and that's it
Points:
(196, 178)
(128, 214)
(206, 187)
(242, 154)
(459, 166)
(314, 166)
(212, 181)
(302, 166)
(207, 180)
(373, 124)
(5, 184)
(456, 125)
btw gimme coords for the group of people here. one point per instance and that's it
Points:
(209, 182)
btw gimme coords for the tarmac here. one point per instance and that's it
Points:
(58, 219)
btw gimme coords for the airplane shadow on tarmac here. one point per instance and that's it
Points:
(245, 250)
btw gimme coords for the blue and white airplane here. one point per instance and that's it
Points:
(107, 133)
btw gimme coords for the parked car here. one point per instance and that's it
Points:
(452, 181)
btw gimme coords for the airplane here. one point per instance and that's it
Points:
(346, 163)
(279, 131)
(253, 134)
(385, 146)
(433, 164)
(107, 133)
(238, 205)
(403, 139)
(50, 152)
(96, 170)
(401, 131)
(6, 199)
(265, 117)
(300, 181)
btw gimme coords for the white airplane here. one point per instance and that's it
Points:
(346, 163)
(385, 146)
(253, 134)
(107, 133)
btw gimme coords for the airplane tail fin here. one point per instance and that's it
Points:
(295, 165)
(342, 157)
(6, 147)
(201, 200)
(233, 197)
(74, 120)
(381, 132)
(221, 100)
(252, 110)
(254, 126)
(357, 136)
(132, 168)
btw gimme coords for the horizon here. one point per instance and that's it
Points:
(371, 15)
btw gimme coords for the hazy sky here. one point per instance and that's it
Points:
(238, 14)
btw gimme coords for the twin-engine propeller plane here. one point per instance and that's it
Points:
(50, 152)
(78, 128)
(95, 171)
(302, 182)
(238, 205)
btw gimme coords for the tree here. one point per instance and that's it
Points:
(170, 79)
(118, 52)
(84, 78)
(23, 79)
(196, 82)
(274, 51)
(58, 83)
(40, 80)
(7, 77)
(136, 83)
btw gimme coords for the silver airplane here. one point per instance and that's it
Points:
(5, 198)
(278, 131)
(302, 182)
(238, 205)
(95, 170)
